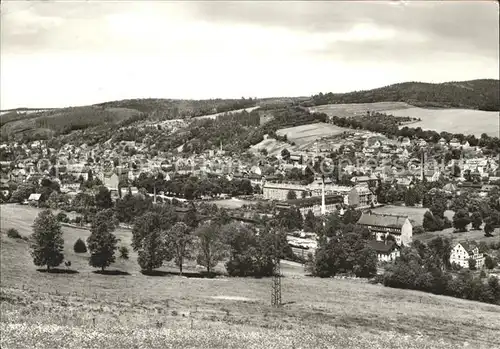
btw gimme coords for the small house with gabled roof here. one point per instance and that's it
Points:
(387, 251)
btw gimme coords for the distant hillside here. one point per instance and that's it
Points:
(59, 121)
(174, 108)
(475, 94)
(23, 124)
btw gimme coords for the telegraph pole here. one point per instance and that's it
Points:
(276, 290)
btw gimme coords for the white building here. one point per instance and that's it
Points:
(463, 251)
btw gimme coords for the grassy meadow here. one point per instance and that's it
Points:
(453, 120)
(357, 109)
(305, 134)
(130, 310)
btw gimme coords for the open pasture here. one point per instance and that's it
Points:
(465, 121)
(358, 109)
(472, 235)
(306, 134)
(214, 116)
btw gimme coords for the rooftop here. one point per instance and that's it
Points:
(382, 247)
(382, 220)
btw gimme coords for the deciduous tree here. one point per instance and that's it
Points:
(460, 220)
(47, 243)
(180, 239)
(103, 198)
(150, 241)
(476, 220)
(211, 247)
(102, 242)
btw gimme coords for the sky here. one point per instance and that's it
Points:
(57, 54)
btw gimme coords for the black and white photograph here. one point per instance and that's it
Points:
(249, 174)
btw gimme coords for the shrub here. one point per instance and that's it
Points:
(80, 246)
(123, 252)
(14, 234)
(62, 217)
(489, 262)
(418, 230)
(472, 264)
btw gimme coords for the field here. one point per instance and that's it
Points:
(416, 214)
(232, 203)
(472, 235)
(272, 146)
(305, 135)
(356, 109)
(86, 309)
(466, 121)
(214, 116)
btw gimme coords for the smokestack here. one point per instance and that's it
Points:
(422, 167)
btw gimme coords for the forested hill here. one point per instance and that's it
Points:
(474, 94)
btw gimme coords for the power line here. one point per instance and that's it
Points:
(276, 288)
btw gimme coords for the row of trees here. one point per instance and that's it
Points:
(191, 187)
(159, 236)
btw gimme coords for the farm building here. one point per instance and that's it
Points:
(463, 251)
(382, 225)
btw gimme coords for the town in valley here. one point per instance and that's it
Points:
(333, 219)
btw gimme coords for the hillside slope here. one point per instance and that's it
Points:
(474, 94)
(60, 121)
(19, 124)
(57, 310)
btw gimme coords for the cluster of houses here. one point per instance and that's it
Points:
(109, 163)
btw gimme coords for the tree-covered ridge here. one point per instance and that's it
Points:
(178, 108)
(475, 94)
(54, 122)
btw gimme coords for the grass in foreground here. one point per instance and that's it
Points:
(89, 310)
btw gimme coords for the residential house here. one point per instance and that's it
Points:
(387, 251)
(432, 175)
(465, 250)
(455, 143)
(422, 143)
(382, 225)
(111, 182)
(34, 198)
(405, 142)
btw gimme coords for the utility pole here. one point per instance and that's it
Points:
(276, 290)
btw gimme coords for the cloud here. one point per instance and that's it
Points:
(472, 24)
(67, 53)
